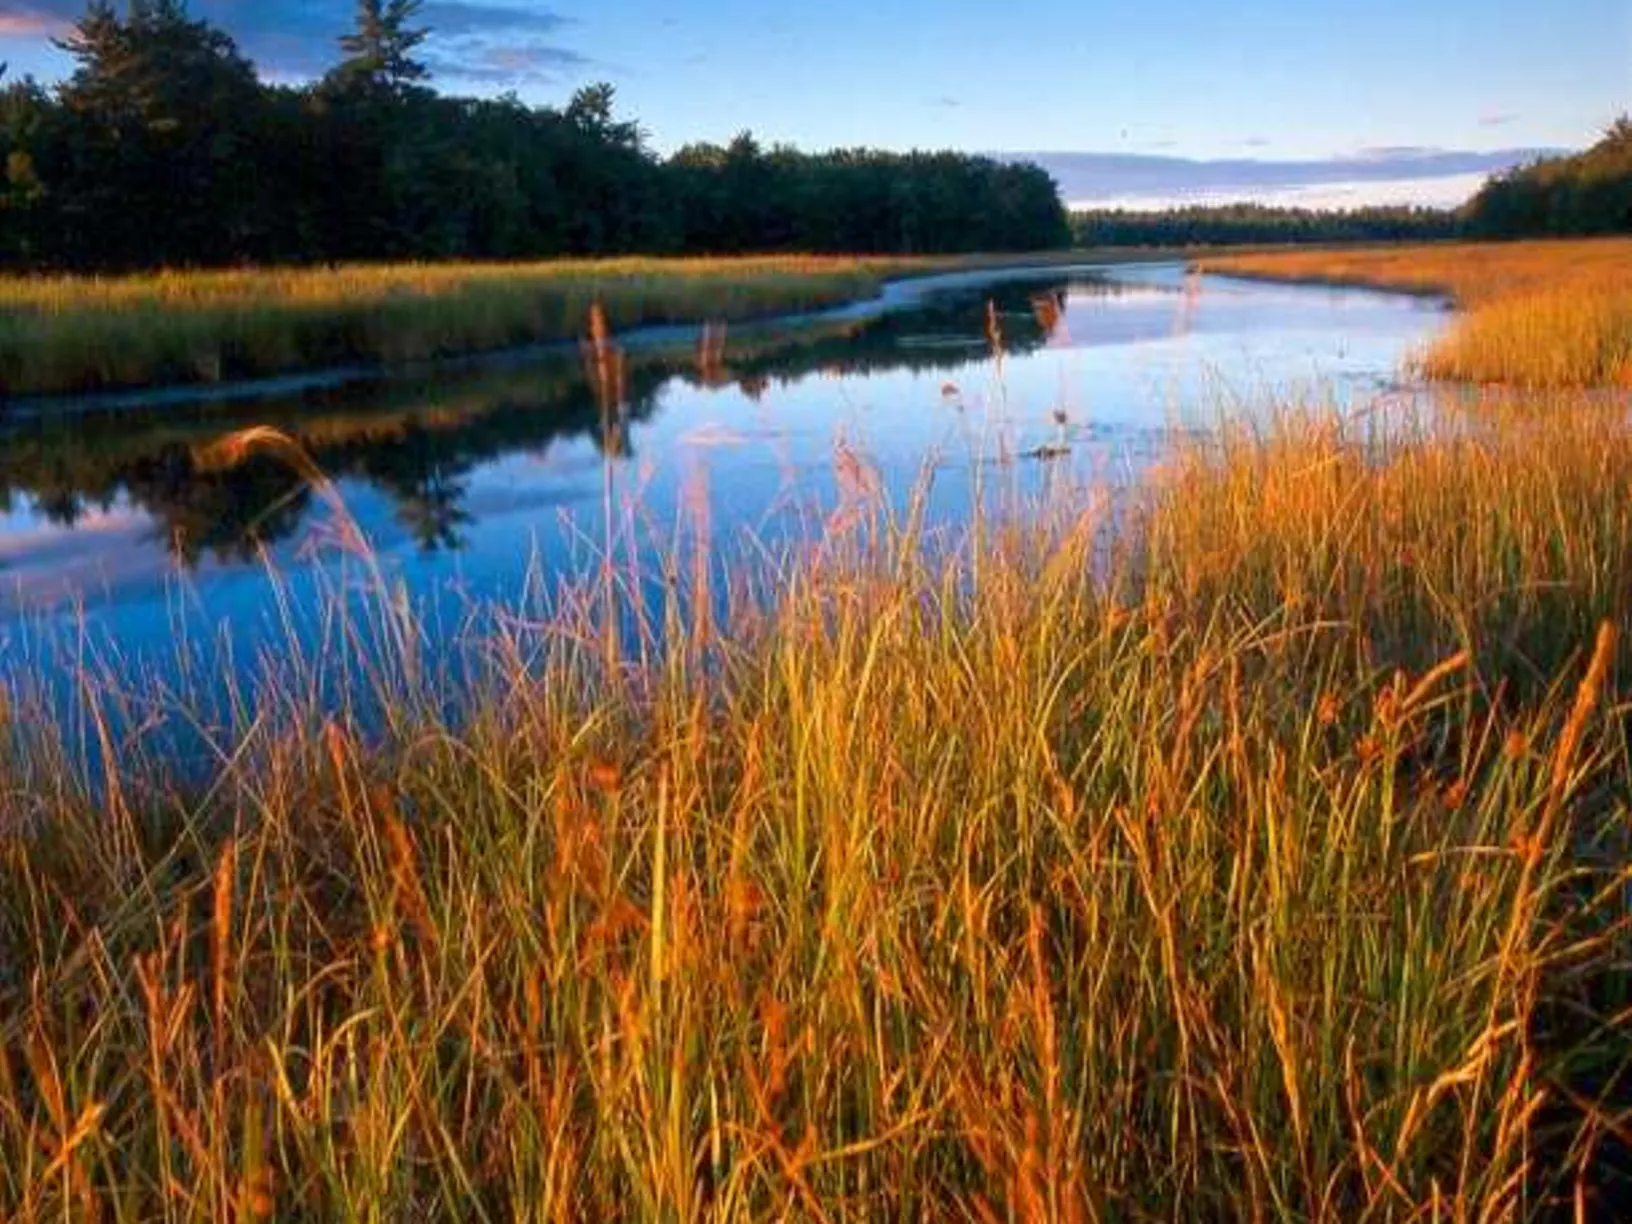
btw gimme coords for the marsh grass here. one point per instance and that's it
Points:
(1228, 851)
(1535, 315)
(67, 334)
(61, 334)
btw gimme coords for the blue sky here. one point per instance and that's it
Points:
(1180, 79)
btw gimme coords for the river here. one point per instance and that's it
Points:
(126, 536)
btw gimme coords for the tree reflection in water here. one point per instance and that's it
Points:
(417, 441)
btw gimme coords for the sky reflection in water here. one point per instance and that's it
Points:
(464, 482)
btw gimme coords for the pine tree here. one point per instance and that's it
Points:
(379, 50)
(163, 110)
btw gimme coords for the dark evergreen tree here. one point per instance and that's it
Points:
(162, 115)
(379, 50)
(593, 112)
(27, 124)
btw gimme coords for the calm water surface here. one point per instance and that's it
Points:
(122, 532)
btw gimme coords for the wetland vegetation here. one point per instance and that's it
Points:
(1252, 846)
(1245, 837)
(65, 333)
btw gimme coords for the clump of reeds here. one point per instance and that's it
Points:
(1240, 859)
(1535, 314)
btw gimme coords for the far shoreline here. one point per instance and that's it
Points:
(893, 290)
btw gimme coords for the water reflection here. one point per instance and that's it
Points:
(418, 442)
(470, 481)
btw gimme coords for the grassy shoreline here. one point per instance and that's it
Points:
(1534, 314)
(65, 335)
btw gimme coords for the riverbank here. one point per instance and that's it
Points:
(1263, 856)
(66, 335)
(1534, 315)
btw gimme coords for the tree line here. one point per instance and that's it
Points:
(163, 147)
(1235, 224)
(1587, 193)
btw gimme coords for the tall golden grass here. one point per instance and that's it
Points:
(62, 334)
(1252, 847)
(1544, 314)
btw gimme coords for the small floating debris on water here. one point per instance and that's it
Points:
(950, 390)
(1048, 450)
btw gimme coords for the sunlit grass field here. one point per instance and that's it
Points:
(66, 334)
(1535, 314)
(1252, 846)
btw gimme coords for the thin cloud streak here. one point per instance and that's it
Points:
(507, 65)
(452, 18)
(26, 21)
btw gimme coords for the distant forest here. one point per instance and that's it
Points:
(164, 148)
(1231, 224)
(1588, 193)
